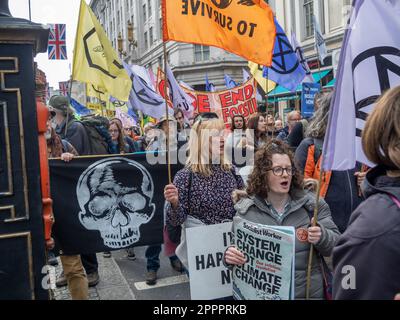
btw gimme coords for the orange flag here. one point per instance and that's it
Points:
(243, 27)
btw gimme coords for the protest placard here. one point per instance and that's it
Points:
(268, 273)
(227, 103)
(209, 278)
(309, 91)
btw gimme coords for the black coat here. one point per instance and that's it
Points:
(371, 243)
(76, 135)
(342, 196)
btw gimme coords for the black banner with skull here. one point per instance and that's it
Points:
(107, 203)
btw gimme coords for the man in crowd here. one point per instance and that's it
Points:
(292, 118)
(74, 132)
(72, 264)
(183, 126)
(158, 143)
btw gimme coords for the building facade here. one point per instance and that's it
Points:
(191, 63)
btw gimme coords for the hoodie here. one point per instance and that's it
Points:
(371, 244)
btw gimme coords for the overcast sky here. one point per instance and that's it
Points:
(52, 11)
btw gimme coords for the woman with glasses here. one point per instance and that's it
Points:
(119, 145)
(275, 196)
(201, 192)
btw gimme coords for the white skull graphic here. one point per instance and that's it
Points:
(114, 202)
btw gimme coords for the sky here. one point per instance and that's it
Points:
(49, 12)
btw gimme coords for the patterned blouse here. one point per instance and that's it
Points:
(210, 197)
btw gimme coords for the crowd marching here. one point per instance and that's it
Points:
(358, 220)
(333, 222)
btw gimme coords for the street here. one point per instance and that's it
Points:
(123, 279)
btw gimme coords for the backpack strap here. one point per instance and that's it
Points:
(65, 145)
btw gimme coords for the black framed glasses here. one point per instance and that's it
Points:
(278, 171)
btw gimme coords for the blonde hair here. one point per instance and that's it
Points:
(381, 135)
(199, 160)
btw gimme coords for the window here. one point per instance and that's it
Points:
(335, 14)
(308, 9)
(146, 41)
(151, 36)
(144, 12)
(201, 53)
(149, 7)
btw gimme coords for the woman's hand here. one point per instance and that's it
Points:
(360, 177)
(234, 256)
(243, 143)
(314, 234)
(171, 195)
(67, 157)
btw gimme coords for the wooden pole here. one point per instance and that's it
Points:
(267, 105)
(70, 96)
(319, 68)
(166, 110)
(316, 207)
(310, 257)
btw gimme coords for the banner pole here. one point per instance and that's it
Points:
(166, 110)
(315, 217)
(70, 96)
(319, 69)
(310, 257)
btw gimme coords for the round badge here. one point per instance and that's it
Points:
(302, 234)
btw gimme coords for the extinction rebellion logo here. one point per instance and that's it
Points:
(223, 4)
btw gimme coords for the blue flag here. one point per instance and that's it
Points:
(229, 82)
(286, 70)
(80, 109)
(209, 86)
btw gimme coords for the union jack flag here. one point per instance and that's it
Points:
(64, 88)
(57, 48)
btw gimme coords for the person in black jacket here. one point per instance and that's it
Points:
(67, 127)
(74, 132)
(339, 188)
(366, 258)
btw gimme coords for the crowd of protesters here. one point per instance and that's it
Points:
(358, 212)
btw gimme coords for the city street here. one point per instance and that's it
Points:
(123, 279)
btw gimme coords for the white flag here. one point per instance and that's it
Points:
(179, 98)
(369, 65)
(143, 97)
(300, 55)
(185, 85)
(246, 75)
(320, 45)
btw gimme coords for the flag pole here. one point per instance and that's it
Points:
(319, 69)
(70, 96)
(166, 110)
(316, 207)
(30, 11)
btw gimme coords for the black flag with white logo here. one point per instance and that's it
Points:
(107, 203)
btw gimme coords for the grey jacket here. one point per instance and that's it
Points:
(255, 209)
(371, 243)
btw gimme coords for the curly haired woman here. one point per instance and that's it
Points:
(275, 196)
